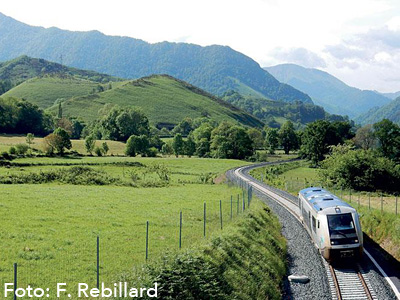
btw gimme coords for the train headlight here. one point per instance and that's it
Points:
(355, 241)
(333, 242)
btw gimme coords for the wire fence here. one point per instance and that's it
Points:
(107, 257)
(377, 200)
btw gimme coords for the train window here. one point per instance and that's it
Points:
(318, 224)
(341, 223)
(313, 224)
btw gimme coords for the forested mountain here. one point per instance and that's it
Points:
(215, 69)
(275, 113)
(163, 99)
(328, 91)
(389, 111)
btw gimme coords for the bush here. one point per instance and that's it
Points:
(21, 149)
(98, 151)
(12, 150)
(360, 170)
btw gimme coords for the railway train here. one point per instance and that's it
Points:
(333, 225)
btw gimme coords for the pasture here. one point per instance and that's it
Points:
(50, 229)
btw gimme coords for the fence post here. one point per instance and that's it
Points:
(220, 212)
(358, 200)
(231, 207)
(396, 205)
(147, 240)
(381, 201)
(350, 195)
(98, 262)
(180, 230)
(204, 220)
(238, 204)
(341, 193)
(15, 280)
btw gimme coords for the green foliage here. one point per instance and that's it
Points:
(189, 146)
(319, 135)
(104, 148)
(21, 149)
(228, 141)
(271, 139)
(389, 111)
(360, 170)
(268, 110)
(178, 145)
(98, 151)
(29, 139)
(18, 116)
(388, 135)
(167, 149)
(137, 145)
(257, 137)
(90, 142)
(12, 150)
(184, 127)
(202, 138)
(121, 123)
(63, 142)
(287, 137)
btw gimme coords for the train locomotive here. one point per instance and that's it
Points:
(333, 225)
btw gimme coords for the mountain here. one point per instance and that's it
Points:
(391, 95)
(389, 111)
(275, 113)
(215, 69)
(328, 91)
(165, 101)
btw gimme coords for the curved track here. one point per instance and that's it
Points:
(345, 282)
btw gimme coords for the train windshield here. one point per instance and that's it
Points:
(341, 223)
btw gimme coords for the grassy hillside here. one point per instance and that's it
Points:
(215, 68)
(162, 98)
(45, 91)
(390, 111)
(328, 91)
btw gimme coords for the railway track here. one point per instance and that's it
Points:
(348, 282)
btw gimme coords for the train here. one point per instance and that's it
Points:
(333, 224)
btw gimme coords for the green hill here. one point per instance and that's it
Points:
(390, 111)
(164, 99)
(215, 69)
(46, 91)
(328, 91)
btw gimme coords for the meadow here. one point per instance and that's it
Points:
(50, 229)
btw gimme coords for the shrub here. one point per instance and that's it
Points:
(12, 150)
(98, 151)
(21, 149)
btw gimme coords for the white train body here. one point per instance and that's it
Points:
(333, 224)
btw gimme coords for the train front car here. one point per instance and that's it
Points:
(333, 224)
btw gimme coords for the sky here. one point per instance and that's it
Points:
(357, 41)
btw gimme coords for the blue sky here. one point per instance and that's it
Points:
(356, 40)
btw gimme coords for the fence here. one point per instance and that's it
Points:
(108, 256)
(383, 202)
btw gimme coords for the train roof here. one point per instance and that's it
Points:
(321, 199)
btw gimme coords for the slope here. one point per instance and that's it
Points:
(389, 111)
(328, 91)
(164, 99)
(49, 90)
(213, 68)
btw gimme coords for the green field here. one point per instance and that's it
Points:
(50, 229)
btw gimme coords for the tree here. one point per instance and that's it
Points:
(137, 145)
(189, 146)
(167, 149)
(388, 135)
(29, 139)
(64, 142)
(315, 141)
(271, 139)
(178, 145)
(228, 141)
(184, 127)
(365, 137)
(90, 142)
(257, 137)
(202, 138)
(288, 137)
(60, 112)
(51, 143)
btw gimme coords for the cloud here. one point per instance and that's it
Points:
(300, 56)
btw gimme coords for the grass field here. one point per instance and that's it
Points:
(116, 148)
(50, 229)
